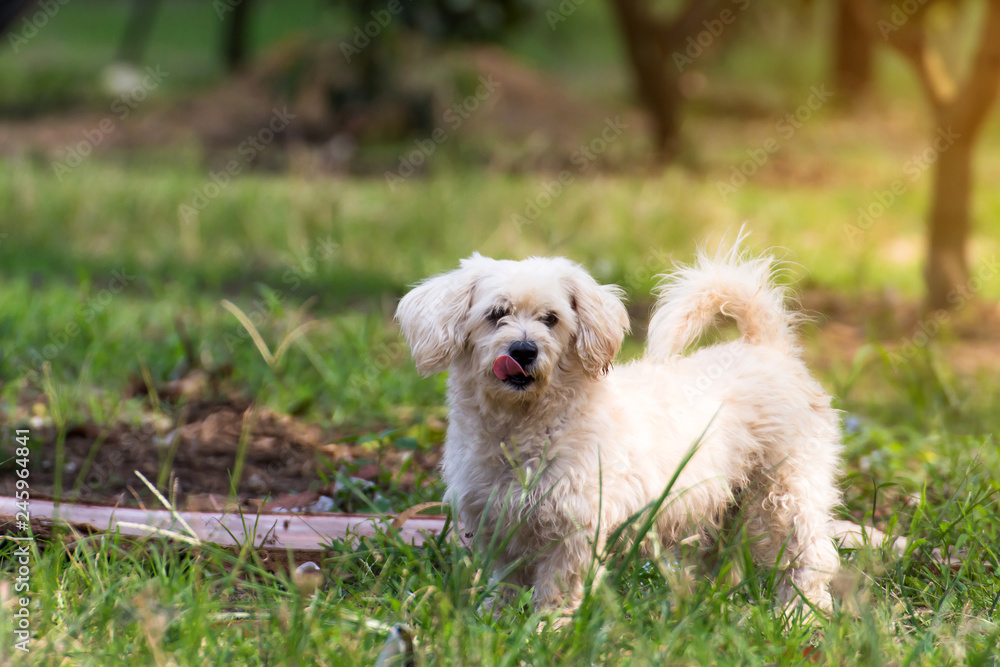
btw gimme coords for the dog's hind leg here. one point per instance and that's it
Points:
(787, 523)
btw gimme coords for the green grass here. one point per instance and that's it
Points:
(104, 598)
(919, 446)
(286, 251)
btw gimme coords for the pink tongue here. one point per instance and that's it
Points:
(505, 366)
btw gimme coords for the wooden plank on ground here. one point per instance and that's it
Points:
(272, 531)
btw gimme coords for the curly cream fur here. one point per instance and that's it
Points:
(585, 447)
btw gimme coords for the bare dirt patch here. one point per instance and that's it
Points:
(287, 463)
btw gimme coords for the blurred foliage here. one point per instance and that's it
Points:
(448, 20)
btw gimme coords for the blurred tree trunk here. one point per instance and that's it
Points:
(959, 112)
(853, 54)
(651, 41)
(947, 261)
(655, 81)
(135, 37)
(9, 12)
(235, 27)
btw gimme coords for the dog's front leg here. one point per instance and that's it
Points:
(504, 589)
(559, 573)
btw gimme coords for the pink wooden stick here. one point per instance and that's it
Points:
(269, 531)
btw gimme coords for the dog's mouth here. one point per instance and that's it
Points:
(511, 373)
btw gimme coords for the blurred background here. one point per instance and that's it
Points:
(209, 208)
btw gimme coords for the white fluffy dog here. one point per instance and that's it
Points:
(533, 396)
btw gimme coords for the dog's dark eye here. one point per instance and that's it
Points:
(497, 314)
(550, 320)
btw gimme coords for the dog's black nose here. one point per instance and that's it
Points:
(523, 352)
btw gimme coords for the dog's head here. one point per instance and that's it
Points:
(516, 326)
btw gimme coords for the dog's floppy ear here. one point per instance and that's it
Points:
(602, 320)
(433, 316)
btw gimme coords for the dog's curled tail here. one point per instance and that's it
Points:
(731, 283)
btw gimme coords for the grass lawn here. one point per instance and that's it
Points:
(920, 450)
(105, 286)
